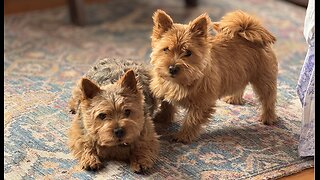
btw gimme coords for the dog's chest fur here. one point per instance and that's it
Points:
(120, 153)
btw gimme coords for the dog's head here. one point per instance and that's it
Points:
(113, 114)
(179, 50)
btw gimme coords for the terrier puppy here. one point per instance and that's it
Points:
(113, 105)
(193, 68)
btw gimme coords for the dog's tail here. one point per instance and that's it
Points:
(244, 25)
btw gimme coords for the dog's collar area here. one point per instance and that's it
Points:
(123, 145)
(173, 76)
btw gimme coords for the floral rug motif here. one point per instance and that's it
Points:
(45, 55)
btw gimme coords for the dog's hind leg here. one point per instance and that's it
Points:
(266, 89)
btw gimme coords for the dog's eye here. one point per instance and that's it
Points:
(102, 116)
(127, 112)
(188, 53)
(166, 50)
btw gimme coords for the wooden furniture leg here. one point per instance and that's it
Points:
(191, 3)
(77, 12)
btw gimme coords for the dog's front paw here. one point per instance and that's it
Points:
(91, 164)
(140, 166)
(93, 167)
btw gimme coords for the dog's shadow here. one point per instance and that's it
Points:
(227, 139)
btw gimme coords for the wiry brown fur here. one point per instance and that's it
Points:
(112, 87)
(219, 66)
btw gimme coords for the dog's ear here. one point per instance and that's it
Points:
(216, 26)
(89, 89)
(162, 22)
(199, 26)
(128, 81)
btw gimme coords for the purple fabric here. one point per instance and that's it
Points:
(306, 90)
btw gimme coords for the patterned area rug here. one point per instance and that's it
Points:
(45, 55)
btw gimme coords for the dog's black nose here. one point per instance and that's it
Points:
(173, 70)
(119, 132)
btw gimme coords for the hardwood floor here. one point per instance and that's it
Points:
(307, 174)
(17, 6)
(303, 3)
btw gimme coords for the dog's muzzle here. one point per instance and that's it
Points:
(173, 69)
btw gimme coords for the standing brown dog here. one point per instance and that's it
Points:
(193, 68)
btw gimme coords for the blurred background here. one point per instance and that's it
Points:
(16, 6)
